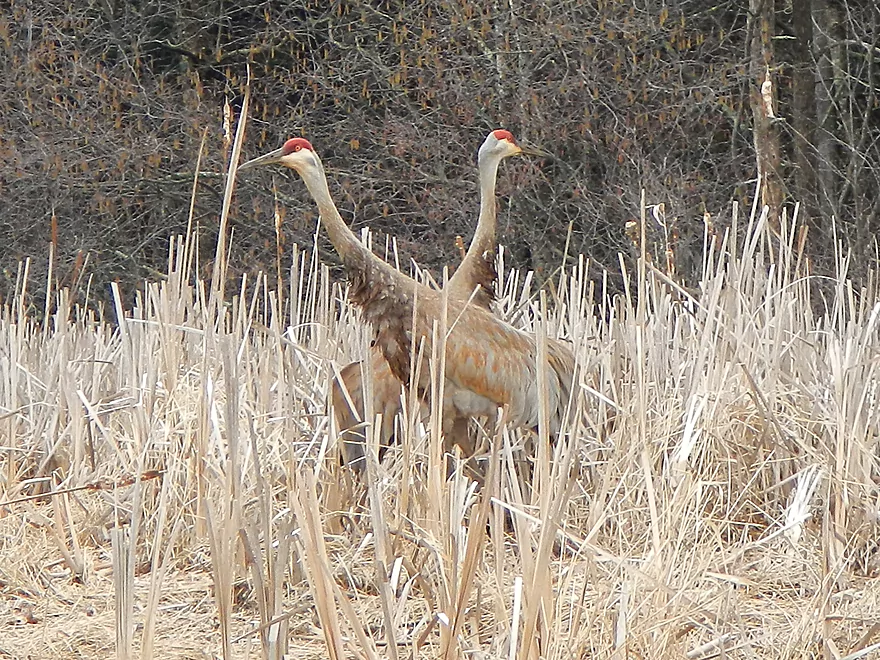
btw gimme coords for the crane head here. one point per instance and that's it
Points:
(501, 144)
(297, 154)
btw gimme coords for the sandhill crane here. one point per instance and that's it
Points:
(475, 277)
(488, 363)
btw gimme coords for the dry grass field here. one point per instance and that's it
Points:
(171, 483)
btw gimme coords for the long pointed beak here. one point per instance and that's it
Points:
(266, 159)
(531, 150)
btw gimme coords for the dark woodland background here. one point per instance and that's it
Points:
(104, 104)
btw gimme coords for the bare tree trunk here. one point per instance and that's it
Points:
(763, 101)
(803, 119)
(829, 54)
(867, 202)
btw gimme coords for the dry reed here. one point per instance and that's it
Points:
(714, 493)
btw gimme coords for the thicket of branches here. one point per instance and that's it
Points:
(104, 105)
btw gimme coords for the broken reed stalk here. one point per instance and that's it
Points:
(123, 583)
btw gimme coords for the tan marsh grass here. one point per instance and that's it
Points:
(715, 493)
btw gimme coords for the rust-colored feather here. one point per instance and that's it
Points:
(348, 398)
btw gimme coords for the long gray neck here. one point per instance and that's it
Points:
(478, 264)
